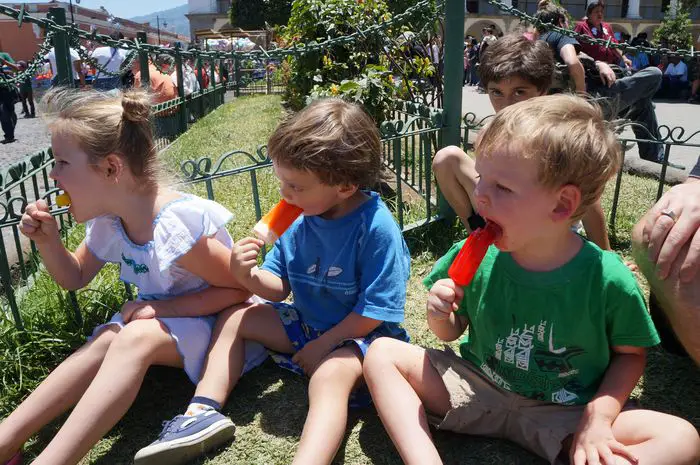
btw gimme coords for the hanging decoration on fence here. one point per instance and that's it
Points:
(582, 38)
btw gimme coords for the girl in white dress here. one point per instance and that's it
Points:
(174, 247)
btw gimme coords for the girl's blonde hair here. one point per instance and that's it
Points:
(567, 137)
(104, 123)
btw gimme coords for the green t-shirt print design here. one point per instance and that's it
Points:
(547, 335)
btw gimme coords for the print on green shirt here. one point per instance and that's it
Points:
(548, 335)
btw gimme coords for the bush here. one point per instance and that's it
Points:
(373, 70)
(675, 32)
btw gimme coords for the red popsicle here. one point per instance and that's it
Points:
(276, 221)
(468, 259)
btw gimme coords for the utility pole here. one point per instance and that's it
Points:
(158, 26)
(72, 18)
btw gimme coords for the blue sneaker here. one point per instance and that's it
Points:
(185, 438)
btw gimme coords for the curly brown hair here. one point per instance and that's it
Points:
(333, 139)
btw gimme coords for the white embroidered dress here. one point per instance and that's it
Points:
(153, 269)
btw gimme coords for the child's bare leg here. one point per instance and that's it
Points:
(138, 345)
(657, 438)
(57, 393)
(457, 178)
(596, 229)
(404, 384)
(224, 363)
(329, 392)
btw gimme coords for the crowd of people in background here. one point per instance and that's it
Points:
(680, 77)
(107, 75)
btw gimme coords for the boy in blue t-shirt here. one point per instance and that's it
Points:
(347, 265)
(557, 328)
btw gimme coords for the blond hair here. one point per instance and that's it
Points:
(333, 139)
(567, 137)
(104, 123)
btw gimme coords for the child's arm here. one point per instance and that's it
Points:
(243, 265)
(205, 302)
(210, 260)
(594, 436)
(443, 302)
(352, 326)
(70, 270)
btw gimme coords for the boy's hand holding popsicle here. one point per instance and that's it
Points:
(244, 257)
(244, 254)
(446, 294)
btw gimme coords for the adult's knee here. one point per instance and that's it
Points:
(447, 159)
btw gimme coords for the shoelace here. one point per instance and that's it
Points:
(167, 425)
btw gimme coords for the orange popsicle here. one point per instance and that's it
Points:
(468, 259)
(63, 200)
(275, 223)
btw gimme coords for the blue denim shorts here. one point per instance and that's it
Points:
(300, 334)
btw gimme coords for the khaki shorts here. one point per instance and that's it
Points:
(480, 408)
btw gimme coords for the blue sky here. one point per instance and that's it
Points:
(128, 8)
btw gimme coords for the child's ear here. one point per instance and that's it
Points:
(347, 190)
(568, 201)
(113, 166)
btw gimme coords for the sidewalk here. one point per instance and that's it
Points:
(675, 114)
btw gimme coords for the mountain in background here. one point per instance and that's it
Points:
(175, 17)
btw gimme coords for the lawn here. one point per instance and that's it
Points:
(269, 404)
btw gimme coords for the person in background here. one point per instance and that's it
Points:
(8, 98)
(593, 26)
(675, 80)
(694, 73)
(26, 92)
(111, 59)
(76, 64)
(161, 84)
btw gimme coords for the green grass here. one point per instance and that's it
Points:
(269, 405)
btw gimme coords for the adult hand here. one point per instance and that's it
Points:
(38, 224)
(666, 237)
(443, 299)
(627, 62)
(607, 75)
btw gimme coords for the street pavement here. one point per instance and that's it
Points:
(671, 114)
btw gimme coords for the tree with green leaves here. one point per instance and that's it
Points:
(675, 31)
(248, 14)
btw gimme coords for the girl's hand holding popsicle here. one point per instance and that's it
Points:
(38, 224)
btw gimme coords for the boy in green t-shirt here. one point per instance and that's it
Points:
(557, 327)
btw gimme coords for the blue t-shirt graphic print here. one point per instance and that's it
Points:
(357, 263)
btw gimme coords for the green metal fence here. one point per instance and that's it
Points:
(257, 76)
(409, 139)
